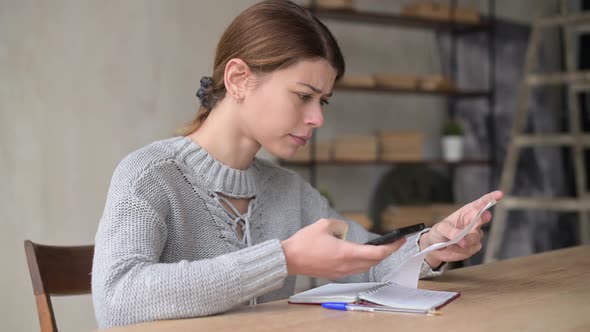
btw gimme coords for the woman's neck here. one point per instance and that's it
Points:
(222, 137)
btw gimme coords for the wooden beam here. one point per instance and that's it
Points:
(546, 203)
(553, 139)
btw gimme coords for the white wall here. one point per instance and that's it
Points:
(82, 83)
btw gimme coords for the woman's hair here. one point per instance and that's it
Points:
(271, 35)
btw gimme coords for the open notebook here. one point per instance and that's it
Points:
(386, 294)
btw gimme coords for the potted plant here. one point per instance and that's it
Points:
(452, 141)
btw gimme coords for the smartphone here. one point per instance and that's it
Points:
(396, 234)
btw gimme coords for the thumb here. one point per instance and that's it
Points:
(338, 228)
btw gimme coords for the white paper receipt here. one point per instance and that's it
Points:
(408, 272)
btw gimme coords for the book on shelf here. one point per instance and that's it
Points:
(401, 145)
(442, 12)
(355, 148)
(397, 80)
(330, 4)
(357, 81)
(436, 83)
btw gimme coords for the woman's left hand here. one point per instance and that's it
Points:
(447, 229)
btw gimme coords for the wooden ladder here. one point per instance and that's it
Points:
(576, 81)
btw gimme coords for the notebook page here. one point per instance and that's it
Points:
(333, 293)
(397, 296)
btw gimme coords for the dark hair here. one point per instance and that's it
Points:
(270, 35)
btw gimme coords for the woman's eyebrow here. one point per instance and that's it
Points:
(314, 89)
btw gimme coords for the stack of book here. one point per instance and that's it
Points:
(400, 216)
(397, 81)
(436, 83)
(323, 152)
(355, 148)
(401, 146)
(330, 4)
(357, 81)
(442, 12)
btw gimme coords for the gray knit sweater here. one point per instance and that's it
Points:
(166, 248)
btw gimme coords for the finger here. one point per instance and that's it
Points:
(462, 253)
(393, 247)
(472, 239)
(370, 252)
(481, 202)
(446, 229)
(472, 250)
(485, 218)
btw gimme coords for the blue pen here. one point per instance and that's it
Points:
(367, 308)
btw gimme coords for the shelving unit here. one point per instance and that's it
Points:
(448, 93)
(455, 29)
(466, 162)
(391, 19)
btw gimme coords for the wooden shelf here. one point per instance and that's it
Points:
(449, 93)
(397, 20)
(465, 162)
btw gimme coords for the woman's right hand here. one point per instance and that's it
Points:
(319, 250)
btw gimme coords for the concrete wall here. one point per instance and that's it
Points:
(83, 83)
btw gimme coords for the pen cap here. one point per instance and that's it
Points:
(334, 305)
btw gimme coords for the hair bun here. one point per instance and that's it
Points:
(206, 82)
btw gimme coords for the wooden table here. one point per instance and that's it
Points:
(544, 292)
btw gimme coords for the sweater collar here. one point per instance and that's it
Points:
(216, 176)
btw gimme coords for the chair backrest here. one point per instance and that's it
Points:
(57, 270)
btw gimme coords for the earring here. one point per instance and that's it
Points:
(237, 96)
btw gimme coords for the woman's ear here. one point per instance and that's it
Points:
(236, 78)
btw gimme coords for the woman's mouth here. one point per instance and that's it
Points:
(299, 140)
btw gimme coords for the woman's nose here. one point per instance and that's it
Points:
(314, 116)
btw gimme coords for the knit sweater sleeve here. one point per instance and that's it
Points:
(130, 285)
(318, 207)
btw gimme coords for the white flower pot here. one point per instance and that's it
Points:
(452, 148)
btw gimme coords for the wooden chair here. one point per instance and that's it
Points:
(57, 270)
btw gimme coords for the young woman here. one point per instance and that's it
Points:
(196, 225)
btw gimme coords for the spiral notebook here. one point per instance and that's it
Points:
(386, 294)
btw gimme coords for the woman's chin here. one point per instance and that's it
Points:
(282, 153)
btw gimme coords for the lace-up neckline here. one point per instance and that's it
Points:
(240, 222)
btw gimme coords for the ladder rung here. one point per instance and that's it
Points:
(580, 87)
(559, 78)
(547, 203)
(563, 20)
(563, 139)
(581, 29)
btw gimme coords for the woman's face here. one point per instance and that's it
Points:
(282, 109)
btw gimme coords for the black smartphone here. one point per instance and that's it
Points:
(396, 234)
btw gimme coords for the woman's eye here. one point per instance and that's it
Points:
(304, 97)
